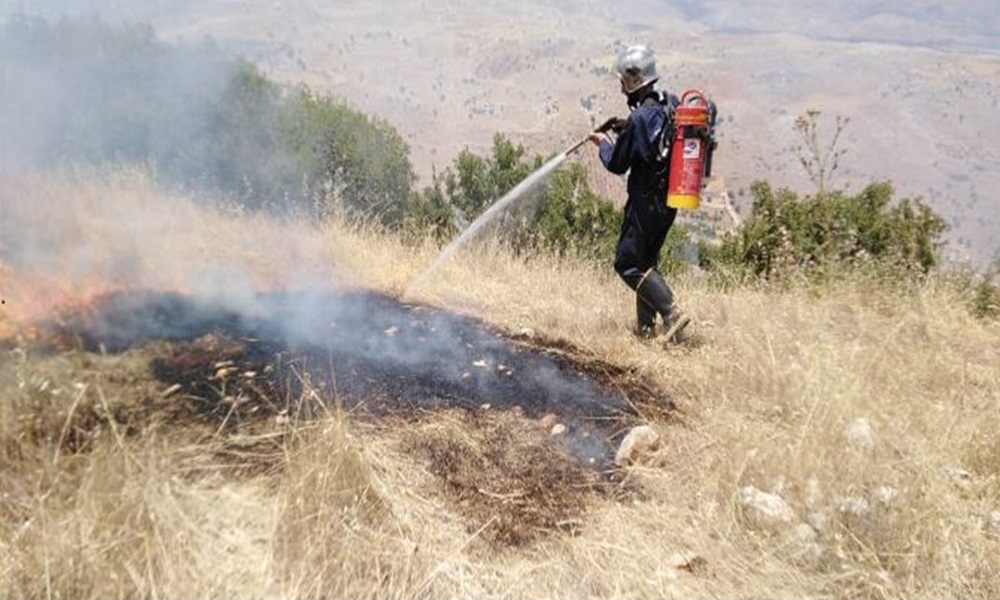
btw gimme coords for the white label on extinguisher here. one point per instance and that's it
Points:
(692, 148)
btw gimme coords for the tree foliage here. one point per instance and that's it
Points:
(568, 219)
(813, 234)
(832, 229)
(82, 90)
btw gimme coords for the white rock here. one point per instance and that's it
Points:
(854, 505)
(802, 533)
(885, 495)
(638, 444)
(859, 434)
(765, 511)
(558, 429)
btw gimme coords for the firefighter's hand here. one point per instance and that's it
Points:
(596, 138)
(613, 124)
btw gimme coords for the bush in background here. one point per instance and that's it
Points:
(816, 235)
(565, 217)
(85, 91)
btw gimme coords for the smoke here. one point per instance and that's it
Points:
(104, 251)
(106, 135)
(82, 90)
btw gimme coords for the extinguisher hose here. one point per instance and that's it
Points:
(709, 151)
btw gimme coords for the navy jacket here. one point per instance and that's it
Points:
(636, 149)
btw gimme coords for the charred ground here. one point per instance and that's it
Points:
(475, 405)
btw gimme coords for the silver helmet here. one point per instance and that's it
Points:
(636, 68)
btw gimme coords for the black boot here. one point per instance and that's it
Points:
(645, 318)
(655, 292)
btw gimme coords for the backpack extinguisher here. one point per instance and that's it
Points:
(691, 149)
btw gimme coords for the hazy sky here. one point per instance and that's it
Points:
(961, 24)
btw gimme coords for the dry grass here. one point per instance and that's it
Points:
(348, 510)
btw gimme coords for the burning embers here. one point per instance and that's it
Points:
(289, 353)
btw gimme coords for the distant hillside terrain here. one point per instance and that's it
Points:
(920, 83)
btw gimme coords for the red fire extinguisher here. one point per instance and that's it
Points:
(691, 149)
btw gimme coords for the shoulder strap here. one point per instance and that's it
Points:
(665, 136)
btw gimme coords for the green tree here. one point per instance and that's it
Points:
(786, 232)
(569, 218)
(85, 91)
(429, 214)
(475, 182)
(359, 163)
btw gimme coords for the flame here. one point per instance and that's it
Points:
(31, 299)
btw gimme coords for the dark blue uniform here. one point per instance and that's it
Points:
(647, 218)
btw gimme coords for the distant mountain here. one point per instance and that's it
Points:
(920, 82)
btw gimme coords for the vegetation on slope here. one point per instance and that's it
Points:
(105, 494)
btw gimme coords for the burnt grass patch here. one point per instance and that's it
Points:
(476, 405)
(507, 476)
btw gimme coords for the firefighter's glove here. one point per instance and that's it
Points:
(613, 124)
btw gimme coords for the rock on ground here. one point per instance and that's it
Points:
(639, 444)
(860, 435)
(765, 511)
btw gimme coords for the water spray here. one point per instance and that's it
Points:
(508, 200)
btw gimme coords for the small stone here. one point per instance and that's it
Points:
(641, 442)
(802, 533)
(548, 421)
(526, 332)
(885, 495)
(860, 435)
(558, 429)
(765, 511)
(485, 406)
(854, 505)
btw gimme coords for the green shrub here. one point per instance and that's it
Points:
(573, 219)
(81, 90)
(568, 217)
(357, 162)
(815, 235)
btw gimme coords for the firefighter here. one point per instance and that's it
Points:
(647, 218)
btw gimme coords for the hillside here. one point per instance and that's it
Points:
(172, 428)
(919, 83)
(227, 370)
